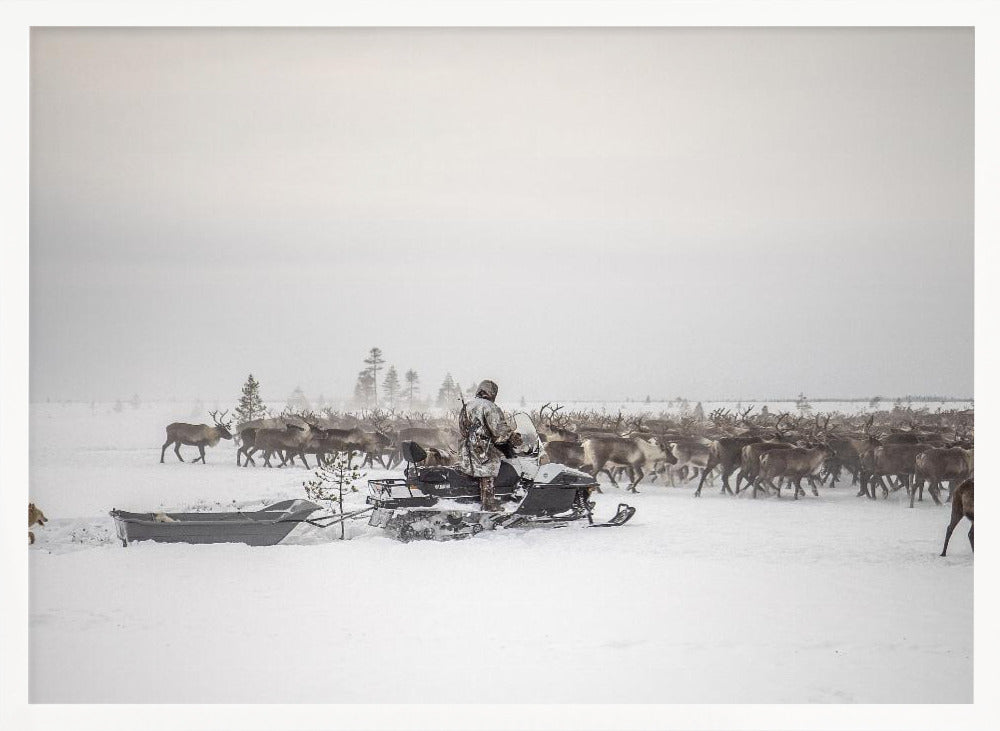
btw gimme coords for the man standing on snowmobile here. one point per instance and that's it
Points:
(483, 426)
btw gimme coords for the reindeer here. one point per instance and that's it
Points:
(567, 453)
(936, 465)
(248, 429)
(432, 437)
(791, 464)
(555, 428)
(636, 454)
(751, 453)
(845, 456)
(726, 452)
(890, 459)
(247, 447)
(865, 445)
(327, 441)
(961, 506)
(291, 440)
(690, 454)
(382, 439)
(376, 444)
(34, 516)
(197, 435)
(750, 459)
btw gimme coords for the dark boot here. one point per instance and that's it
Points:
(486, 495)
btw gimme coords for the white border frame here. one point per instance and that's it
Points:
(18, 17)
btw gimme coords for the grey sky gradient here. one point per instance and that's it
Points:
(575, 213)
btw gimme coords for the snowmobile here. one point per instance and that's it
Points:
(436, 503)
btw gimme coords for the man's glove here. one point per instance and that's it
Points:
(515, 439)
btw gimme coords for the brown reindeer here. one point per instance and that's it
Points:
(248, 444)
(443, 439)
(555, 427)
(636, 454)
(726, 452)
(961, 506)
(196, 435)
(323, 441)
(372, 444)
(845, 456)
(247, 447)
(34, 516)
(691, 455)
(248, 429)
(888, 460)
(935, 465)
(750, 454)
(750, 457)
(560, 452)
(791, 464)
(289, 441)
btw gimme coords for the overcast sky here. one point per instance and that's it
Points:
(574, 213)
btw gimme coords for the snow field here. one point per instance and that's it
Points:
(830, 599)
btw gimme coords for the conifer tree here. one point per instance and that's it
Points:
(334, 477)
(447, 390)
(374, 361)
(412, 386)
(391, 385)
(363, 389)
(250, 406)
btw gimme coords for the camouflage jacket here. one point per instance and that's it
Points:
(483, 427)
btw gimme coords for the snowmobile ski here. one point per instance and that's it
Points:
(623, 516)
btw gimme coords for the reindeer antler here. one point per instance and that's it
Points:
(219, 418)
(778, 431)
(868, 425)
(816, 428)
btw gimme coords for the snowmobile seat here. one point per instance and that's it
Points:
(448, 476)
(506, 478)
(449, 481)
(413, 452)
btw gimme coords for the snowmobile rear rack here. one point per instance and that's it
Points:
(390, 489)
(337, 518)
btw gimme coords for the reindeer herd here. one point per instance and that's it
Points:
(297, 435)
(882, 452)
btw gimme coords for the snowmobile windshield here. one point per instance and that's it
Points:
(521, 423)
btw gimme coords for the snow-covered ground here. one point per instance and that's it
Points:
(829, 599)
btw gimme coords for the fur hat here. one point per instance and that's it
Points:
(487, 390)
